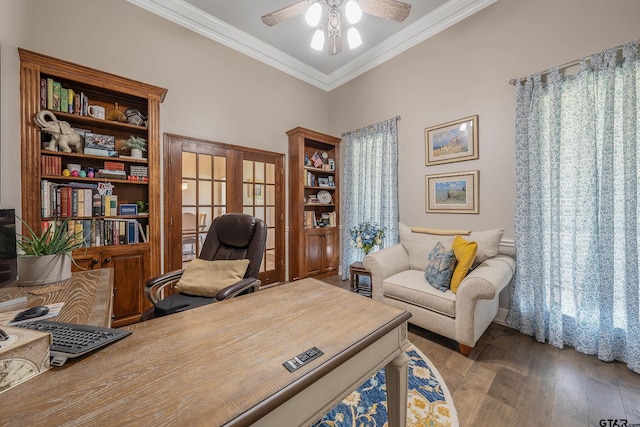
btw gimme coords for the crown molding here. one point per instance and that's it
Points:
(192, 18)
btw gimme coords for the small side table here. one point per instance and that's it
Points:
(355, 270)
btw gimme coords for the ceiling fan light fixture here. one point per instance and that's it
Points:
(317, 42)
(353, 36)
(353, 11)
(313, 15)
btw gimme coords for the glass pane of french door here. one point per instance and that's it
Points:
(258, 199)
(204, 197)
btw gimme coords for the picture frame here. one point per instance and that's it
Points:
(450, 142)
(99, 141)
(323, 182)
(455, 192)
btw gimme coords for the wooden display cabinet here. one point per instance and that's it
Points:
(314, 204)
(133, 261)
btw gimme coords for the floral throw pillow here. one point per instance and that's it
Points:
(440, 265)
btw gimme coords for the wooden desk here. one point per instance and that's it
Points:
(221, 364)
(87, 295)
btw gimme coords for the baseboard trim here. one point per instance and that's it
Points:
(501, 317)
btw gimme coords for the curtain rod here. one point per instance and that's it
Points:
(563, 66)
(367, 127)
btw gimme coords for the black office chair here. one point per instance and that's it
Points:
(231, 236)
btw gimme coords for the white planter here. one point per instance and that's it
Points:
(41, 270)
(136, 152)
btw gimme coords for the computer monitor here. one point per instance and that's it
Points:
(8, 252)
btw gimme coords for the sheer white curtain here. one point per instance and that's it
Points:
(577, 208)
(370, 184)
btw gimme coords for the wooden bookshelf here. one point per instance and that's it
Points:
(314, 238)
(133, 263)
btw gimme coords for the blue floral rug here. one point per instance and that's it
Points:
(429, 402)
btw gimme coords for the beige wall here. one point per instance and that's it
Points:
(214, 92)
(464, 71)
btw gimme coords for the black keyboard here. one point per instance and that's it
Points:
(71, 340)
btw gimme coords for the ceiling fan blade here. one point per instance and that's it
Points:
(394, 10)
(285, 13)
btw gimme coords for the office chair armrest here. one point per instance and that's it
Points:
(155, 285)
(244, 286)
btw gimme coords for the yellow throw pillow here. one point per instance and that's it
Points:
(206, 278)
(465, 254)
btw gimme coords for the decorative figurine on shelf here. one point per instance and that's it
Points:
(116, 115)
(62, 134)
(135, 117)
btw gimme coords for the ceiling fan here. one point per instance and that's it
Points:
(393, 10)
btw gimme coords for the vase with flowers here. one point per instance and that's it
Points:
(366, 236)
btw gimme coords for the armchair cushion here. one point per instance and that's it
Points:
(206, 278)
(411, 287)
(465, 252)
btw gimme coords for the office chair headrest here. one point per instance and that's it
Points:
(236, 230)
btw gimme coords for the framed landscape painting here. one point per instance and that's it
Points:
(452, 142)
(452, 192)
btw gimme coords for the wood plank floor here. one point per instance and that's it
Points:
(510, 379)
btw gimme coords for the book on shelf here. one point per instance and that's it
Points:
(97, 205)
(49, 94)
(111, 174)
(71, 96)
(43, 93)
(76, 104)
(116, 166)
(310, 219)
(56, 96)
(64, 100)
(100, 152)
(113, 206)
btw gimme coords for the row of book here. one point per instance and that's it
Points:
(326, 219)
(63, 201)
(104, 232)
(309, 179)
(54, 97)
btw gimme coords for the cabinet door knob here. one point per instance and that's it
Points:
(106, 260)
(94, 261)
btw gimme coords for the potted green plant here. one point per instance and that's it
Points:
(137, 145)
(46, 258)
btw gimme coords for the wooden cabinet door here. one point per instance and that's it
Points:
(330, 251)
(314, 262)
(129, 267)
(321, 252)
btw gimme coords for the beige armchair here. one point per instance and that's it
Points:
(398, 279)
